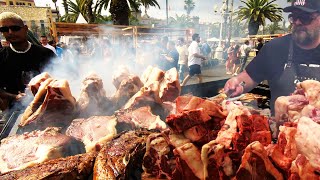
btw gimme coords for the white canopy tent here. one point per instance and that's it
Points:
(81, 19)
(213, 39)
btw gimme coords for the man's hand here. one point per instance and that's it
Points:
(233, 87)
(240, 84)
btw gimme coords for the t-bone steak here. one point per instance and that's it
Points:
(25, 150)
(94, 131)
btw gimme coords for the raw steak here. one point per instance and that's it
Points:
(256, 165)
(140, 118)
(94, 131)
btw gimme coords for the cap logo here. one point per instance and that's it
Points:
(300, 3)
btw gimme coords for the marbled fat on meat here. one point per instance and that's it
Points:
(94, 131)
(25, 150)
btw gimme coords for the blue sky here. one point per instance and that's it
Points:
(204, 8)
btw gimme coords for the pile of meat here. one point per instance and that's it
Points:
(120, 158)
(55, 122)
(305, 101)
(212, 141)
(205, 140)
(123, 135)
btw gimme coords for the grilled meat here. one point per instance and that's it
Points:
(72, 167)
(122, 157)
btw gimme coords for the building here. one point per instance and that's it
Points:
(38, 19)
(148, 21)
(29, 3)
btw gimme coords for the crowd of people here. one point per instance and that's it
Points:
(237, 56)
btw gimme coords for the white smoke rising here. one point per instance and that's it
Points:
(106, 56)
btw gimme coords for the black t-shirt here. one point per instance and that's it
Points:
(269, 63)
(16, 67)
(259, 46)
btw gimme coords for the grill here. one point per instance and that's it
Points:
(9, 121)
(9, 124)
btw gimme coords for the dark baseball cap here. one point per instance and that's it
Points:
(309, 6)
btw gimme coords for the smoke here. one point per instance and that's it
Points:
(105, 56)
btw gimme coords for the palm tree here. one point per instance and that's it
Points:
(74, 10)
(274, 28)
(189, 6)
(257, 11)
(85, 8)
(182, 21)
(90, 15)
(119, 9)
(148, 3)
(55, 4)
(65, 5)
(238, 29)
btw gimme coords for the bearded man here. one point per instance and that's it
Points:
(287, 60)
(20, 61)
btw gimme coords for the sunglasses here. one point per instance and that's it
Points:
(12, 28)
(305, 19)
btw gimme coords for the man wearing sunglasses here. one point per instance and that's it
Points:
(287, 60)
(21, 60)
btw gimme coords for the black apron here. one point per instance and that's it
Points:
(291, 75)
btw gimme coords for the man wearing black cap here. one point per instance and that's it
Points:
(286, 60)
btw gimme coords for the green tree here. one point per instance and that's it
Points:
(85, 8)
(189, 6)
(257, 11)
(148, 3)
(274, 28)
(89, 12)
(182, 21)
(238, 28)
(74, 9)
(55, 4)
(65, 6)
(119, 9)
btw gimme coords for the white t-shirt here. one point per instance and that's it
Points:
(193, 49)
(51, 48)
(243, 49)
(183, 54)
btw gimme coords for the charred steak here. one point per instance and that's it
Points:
(122, 157)
(72, 167)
